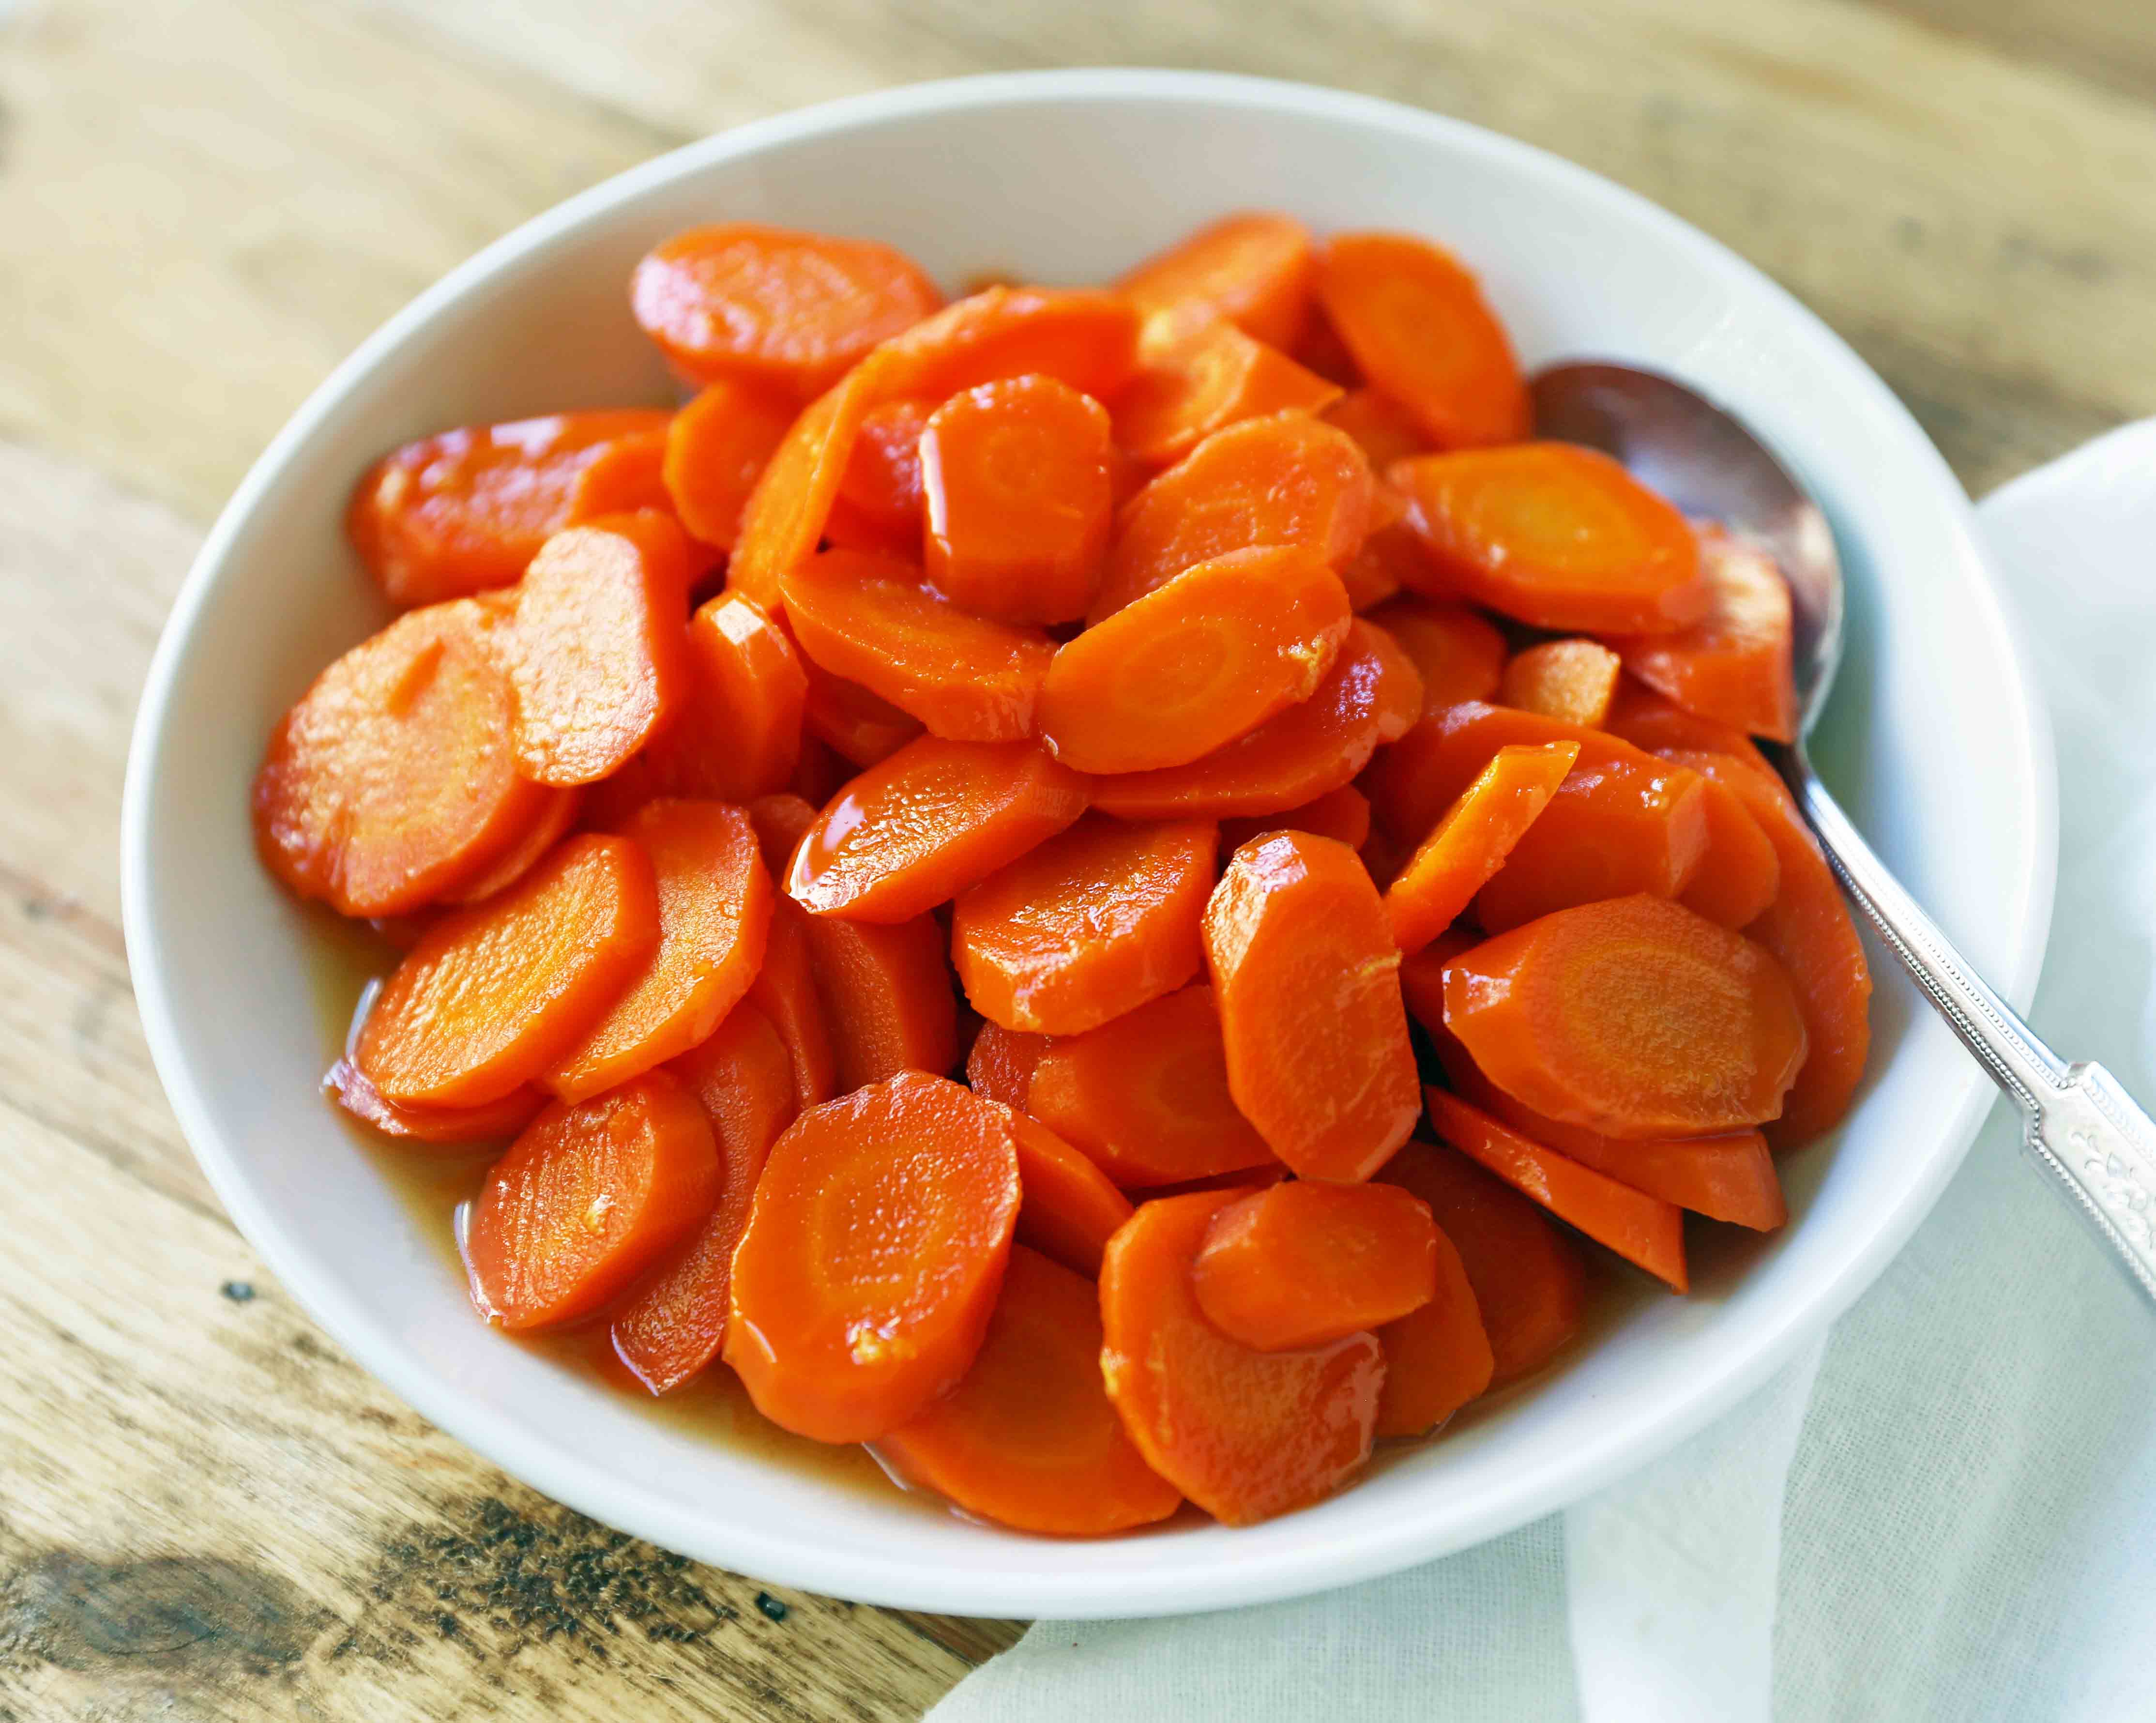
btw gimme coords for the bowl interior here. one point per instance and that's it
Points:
(1934, 738)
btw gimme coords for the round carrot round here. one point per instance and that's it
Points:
(1459, 652)
(1384, 430)
(785, 991)
(1089, 925)
(935, 817)
(1244, 1434)
(1000, 1065)
(449, 1127)
(1438, 1356)
(1067, 1209)
(787, 512)
(1029, 1439)
(1472, 840)
(558, 813)
(887, 996)
(1081, 336)
(861, 727)
(875, 1249)
(1733, 664)
(736, 734)
(494, 995)
(1194, 382)
(1256, 269)
(1740, 874)
(879, 505)
(716, 448)
(1343, 814)
(1305, 1264)
(1199, 661)
(590, 1196)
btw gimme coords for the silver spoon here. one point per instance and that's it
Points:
(2079, 1124)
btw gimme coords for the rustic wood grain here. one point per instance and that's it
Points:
(205, 1510)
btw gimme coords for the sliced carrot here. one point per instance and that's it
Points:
(1244, 1434)
(1556, 535)
(1633, 1017)
(1622, 821)
(1067, 1208)
(860, 727)
(672, 1327)
(1199, 661)
(887, 996)
(1146, 1096)
(467, 509)
(1529, 1282)
(1808, 928)
(785, 991)
(494, 995)
(557, 814)
(1305, 1264)
(1343, 814)
(935, 818)
(392, 783)
(781, 820)
(1285, 479)
(1419, 329)
(1196, 381)
(1422, 981)
(867, 618)
(879, 498)
(628, 474)
(1017, 498)
(784, 517)
(1000, 1064)
(451, 1127)
(1472, 840)
(1256, 269)
(1642, 1229)
(595, 646)
(738, 733)
(1385, 430)
(1085, 927)
(1733, 664)
(716, 449)
(1367, 577)
(1647, 720)
(1740, 875)
(864, 1284)
(1573, 680)
(1029, 1439)
(1460, 653)
(1314, 747)
(592, 1193)
(1324, 1071)
(1437, 1357)
(774, 306)
(714, 919)
(1081, 336)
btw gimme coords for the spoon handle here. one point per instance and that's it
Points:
(2078, 1123)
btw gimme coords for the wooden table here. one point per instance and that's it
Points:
(205, 1510)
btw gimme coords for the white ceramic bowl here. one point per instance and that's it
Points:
(1936, 738)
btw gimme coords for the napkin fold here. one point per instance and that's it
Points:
(1946, 1507)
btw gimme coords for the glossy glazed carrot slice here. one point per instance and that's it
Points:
(1193, 382)
(716, 449)
(1244, 1434)
(1000, 1063)
(559, 812)
(1556, 535)
(1732, 665)
(1325, 1072)
(1422, 984)
(631, 476)
(1305, 1264)
(1384, 430)
(879, 505)
(591, 1195)
(1146, 1096)
(1016, 499)
(738, 733)
(1081, 337)
(843, 1332)
(1472, 840)
(1437, 1358)
(1633, 1017)
(868, 619)
(784, 517)
(1647, 720)
(1285, 479)
(1029, 1439)
(1740, 875)
(714, 919)
(467, 509)
(887, 996)
(1312, 749)
(773, 306)
(785, 991)
(933, 819)
(1256, 269)
(1460, 653)
(1415, 320)
(1089, 925)
(493, 995)
(392, 783)
(1343, 814)
(1068, 1209)
(1529, 1283)
(448, 1127)
(859, 727)
(1572, 680)
(1201, 660)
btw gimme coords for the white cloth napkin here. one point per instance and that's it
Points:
(1947, 1508)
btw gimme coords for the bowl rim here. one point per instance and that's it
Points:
(1623, 1448)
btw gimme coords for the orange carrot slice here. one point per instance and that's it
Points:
(1472, 840)
(879, 506)
(631, 476)
(1089, 925)
(785, 991)
(861, 727)
(494, 995)
(785, 514)
(868, 619)
(1201, 660)
(1733, 664)
(1416, 323)
(714, 917)
(557, 814)
(887, 997)
(1000, 1064)
(737, 734)
(1256, 269)
(1146, 1096)
(716, 449)
(1572, 680)
(449, 1127)
(1244, 1434)
(1437, 1357)
(591, 1195)
(1633, 1017)
(843, 1332)
(1647, 720)
(1084, 337)
(1384, 430)
(933, 819)
(1740, 875)
(1343, 814)
(1326, 1073)
(1029, 1439)
(1068, 1208)
(1303, 1264)
(1556, 535)
(1460, 654)
(1197, 381)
